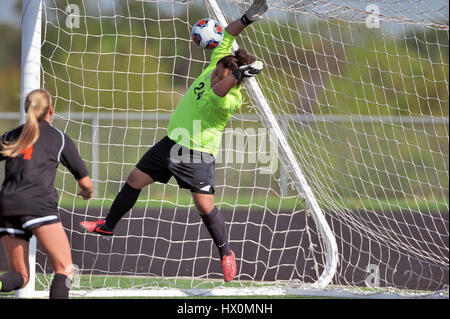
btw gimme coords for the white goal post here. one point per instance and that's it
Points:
(332, 177)
(30, 80)
(290, 161)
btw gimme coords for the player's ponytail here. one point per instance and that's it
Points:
(239, 58)
(236, 60)
(244, 58)
(37, 105)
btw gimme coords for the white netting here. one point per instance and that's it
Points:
(362, 100)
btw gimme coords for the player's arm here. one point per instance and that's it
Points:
(71, 159)
(255, 12)
(235, 28)
(87, 187)
(222, 88)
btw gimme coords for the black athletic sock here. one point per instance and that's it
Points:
(215, 223)
(60, 287)
(123, 202)
(10, 281)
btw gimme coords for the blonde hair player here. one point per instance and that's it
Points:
(28, 199)
(189, 157)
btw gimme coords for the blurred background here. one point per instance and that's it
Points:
(10, 22)
(366, 113)
(113, 73)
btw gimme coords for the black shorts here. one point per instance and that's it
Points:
(21, 226)
(193, 170)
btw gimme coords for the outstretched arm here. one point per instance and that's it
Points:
(235, 27)
(254, 13)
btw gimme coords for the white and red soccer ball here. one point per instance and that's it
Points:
(207, 33)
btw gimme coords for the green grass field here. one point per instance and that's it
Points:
(86, 282)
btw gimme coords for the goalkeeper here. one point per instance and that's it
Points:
(193, 137)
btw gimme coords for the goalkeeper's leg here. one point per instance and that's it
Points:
(153, 166)
(215, 224)
(127, 197)
(123, 202)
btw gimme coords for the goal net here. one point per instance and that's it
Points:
(359, 91)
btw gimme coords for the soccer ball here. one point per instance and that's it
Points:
(207, 33)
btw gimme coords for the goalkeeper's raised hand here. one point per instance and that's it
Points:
(255, 12)
(247, 71)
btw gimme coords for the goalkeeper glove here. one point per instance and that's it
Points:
(255, 12)
(247, 71)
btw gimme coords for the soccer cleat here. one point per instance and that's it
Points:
(229, 267)
(98, 227)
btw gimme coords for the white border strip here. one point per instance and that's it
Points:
(12, 230)
(241, 292)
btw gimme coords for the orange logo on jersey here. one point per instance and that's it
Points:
(27, 153)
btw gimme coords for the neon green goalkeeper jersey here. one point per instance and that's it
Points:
(201, 116)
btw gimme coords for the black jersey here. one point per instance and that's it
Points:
(28, 187)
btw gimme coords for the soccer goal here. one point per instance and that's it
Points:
(332, 177)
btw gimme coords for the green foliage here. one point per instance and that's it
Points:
(146, 63)
(118, 62)
(385, 76)
(324, 67)
(9, 68)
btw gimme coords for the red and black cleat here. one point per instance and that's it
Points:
(229, 267)
(98, 227)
